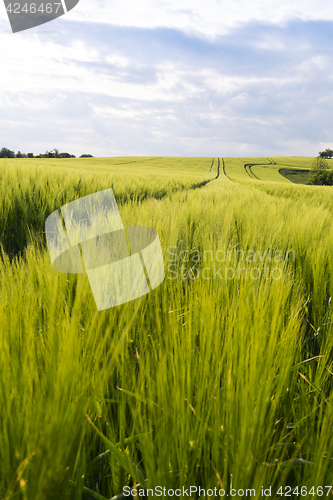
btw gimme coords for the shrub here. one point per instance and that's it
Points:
(324, 178)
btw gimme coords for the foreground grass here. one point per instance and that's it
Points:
(222, 382)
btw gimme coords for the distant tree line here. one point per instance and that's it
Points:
(7, 153)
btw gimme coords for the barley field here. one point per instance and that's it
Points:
(222, 377)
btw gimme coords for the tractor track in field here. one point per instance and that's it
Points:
(204, 183)
(249, 171)
(223, 167)
(218, 168)
(193, 186)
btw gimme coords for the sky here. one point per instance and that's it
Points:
(169, 78)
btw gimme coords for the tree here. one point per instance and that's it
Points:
(30, 155)
(6, 153)
(319, 164)
(86, 156)
(323, 178)
(20, 155)
(328, 153)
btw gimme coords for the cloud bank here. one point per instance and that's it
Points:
(253, 87)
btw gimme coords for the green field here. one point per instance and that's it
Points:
(222, 377)
(296, 176)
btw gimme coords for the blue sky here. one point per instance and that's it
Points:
(229, 79)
